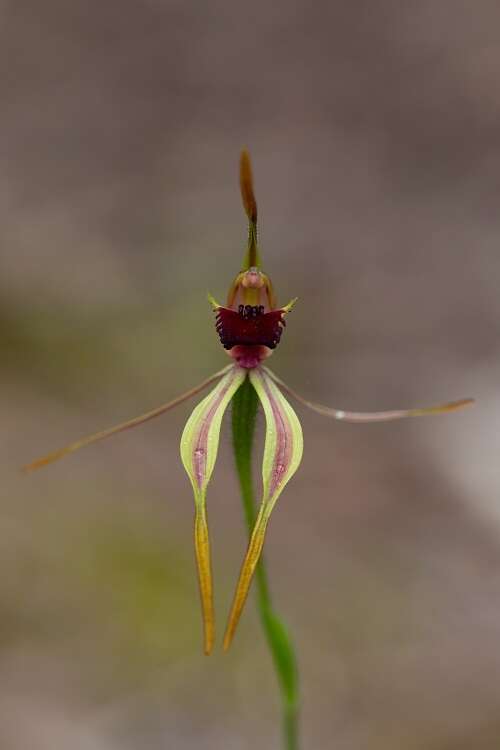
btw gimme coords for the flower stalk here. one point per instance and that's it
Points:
(244, 411)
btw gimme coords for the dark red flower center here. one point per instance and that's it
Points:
(249, 325)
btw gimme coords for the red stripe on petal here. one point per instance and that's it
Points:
(284, 442)
(201, 444)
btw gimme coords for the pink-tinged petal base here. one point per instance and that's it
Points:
(250, 356)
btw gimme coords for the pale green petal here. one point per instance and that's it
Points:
(199, 446)
(284, 442)
(282, 455)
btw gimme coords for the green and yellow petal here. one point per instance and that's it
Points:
(282, 455)
(199, 446)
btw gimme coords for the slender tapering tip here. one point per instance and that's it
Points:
(443, 408)
(202, 548)
(246, 575)
(246, 186)
(252, 256)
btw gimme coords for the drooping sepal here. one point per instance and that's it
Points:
(199, 446)
(128, 425)
(282, 455)
(371, 416)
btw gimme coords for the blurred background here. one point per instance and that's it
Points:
(375, 135)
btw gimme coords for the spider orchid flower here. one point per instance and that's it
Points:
(250, 327)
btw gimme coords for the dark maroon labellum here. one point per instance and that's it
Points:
(249, 326)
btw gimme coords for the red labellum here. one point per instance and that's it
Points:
(249, 326)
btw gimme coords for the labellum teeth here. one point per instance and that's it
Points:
(282, 455)
(199, 446)
(249, 326)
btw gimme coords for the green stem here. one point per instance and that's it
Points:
(245, 404)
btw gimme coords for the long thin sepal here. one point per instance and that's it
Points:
(282, 455)
(199, 446)
(375, 416)
(96, 437)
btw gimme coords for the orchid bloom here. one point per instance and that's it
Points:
(250, 327)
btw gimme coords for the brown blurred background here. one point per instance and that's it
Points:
(375, 135)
